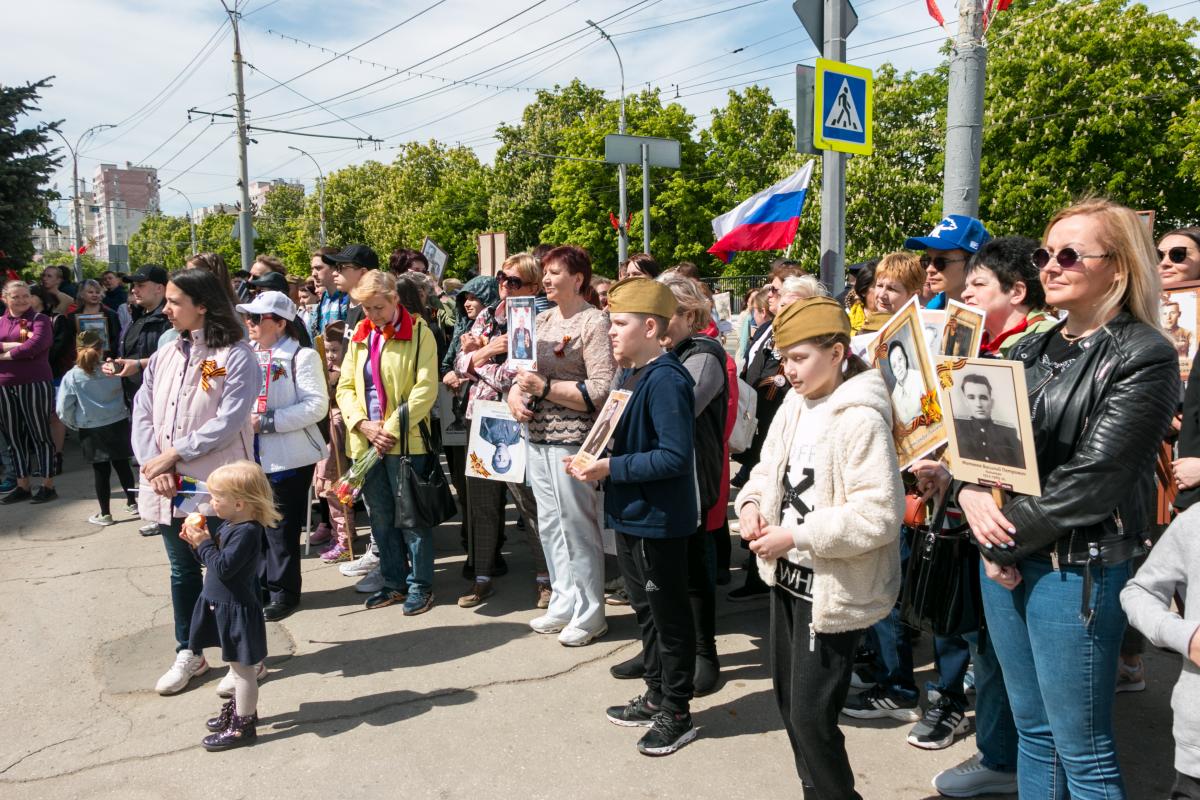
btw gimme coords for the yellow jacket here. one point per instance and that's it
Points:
(406, 374)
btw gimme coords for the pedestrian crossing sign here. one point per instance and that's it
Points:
(844, 107)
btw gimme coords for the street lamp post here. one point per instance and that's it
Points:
(622, 230)
(320, 189)
(191, 217)
(74, 151)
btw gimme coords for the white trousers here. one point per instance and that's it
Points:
(569, 513)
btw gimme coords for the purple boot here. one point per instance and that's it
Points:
(240, 732)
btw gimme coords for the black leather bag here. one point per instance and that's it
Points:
(941, 591)
(423, 496)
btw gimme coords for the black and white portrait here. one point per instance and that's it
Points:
(985, 430)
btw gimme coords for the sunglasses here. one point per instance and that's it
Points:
(256, 319)
(772, 290)
(513, 282)
(1067, 258)
(939, 262)
(1176, 255)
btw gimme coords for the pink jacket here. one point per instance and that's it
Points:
(208, 426)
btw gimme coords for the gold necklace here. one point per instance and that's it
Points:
(1069, 338)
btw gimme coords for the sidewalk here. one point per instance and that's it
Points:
(452, 704)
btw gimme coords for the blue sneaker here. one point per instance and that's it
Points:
(418, 602)
(7, 485)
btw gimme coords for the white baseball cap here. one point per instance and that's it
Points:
(276, 303)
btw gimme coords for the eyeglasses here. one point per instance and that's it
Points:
(256, 319)
(1176, 255)
(1067, 258)
(513, 282)
(939, 262)
(772, 290)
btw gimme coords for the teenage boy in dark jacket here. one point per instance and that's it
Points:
(651, 501)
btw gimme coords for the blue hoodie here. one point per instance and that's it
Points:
(651, 491)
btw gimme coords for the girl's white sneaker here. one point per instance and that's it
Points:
(101, 519)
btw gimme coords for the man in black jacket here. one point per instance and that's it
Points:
(350, 265)
(149, 288)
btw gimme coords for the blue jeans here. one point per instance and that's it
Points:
(995, 731)
(187, 581)
(398, 547)
(951, 658)
(1061, 676)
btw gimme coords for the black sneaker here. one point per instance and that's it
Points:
(43, 495)
(878, 703)
(943, 721)
(668, 733)
(17, 495)
(862, 677)
(637, 713)
(385, 597)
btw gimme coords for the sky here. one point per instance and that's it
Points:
(464, 67)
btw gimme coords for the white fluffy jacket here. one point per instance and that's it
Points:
(852, 529)
(294, 404)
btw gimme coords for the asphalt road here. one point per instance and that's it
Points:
(454, 703)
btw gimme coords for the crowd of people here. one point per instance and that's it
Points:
(242, 397)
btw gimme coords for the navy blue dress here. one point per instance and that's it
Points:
(229, 612)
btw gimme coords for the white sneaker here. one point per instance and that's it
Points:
(187, 665)
(360, 566)
(971, 778)
(572, 636)
(131, 509)
(101, 519)
(548, 624)
(225, 687)
(371, 583)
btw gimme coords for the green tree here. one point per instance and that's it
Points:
(281, 228)
(163, 240)
(92, 266)
(520, 187)
(26, 164)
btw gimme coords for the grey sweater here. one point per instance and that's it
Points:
(1172, 564)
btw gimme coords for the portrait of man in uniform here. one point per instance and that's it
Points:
(981, 438)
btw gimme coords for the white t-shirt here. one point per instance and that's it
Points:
(800, 492)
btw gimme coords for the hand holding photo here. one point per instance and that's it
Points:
(606, 424)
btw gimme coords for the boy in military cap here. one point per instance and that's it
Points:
(651, 502)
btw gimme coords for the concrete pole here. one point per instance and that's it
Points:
(320, 188)
(964, 113)
(246, 217)
(622, 226)
(78, 220)
(191, 217)
(645, 198)
(833, 172)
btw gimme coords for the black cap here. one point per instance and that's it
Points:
(241, 273)
(148, 272)
(357, 254)
(271, 282)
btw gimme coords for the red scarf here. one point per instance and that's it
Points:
(992, 346)
(400, 328)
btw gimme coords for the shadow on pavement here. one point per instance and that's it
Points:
(420, 647)
(327, 718)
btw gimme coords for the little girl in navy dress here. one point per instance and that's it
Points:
(229, 612)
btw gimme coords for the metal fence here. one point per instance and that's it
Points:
(737, 286)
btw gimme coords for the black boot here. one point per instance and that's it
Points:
(629, 670)
(221, 721)
(240, 732)
(707, 676)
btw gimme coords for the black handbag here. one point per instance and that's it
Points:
(941, 591)
(423, 497)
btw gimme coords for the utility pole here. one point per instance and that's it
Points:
(833, 169)
(246, 217)
(645, 197)
(74, 151)
(320, 189)
(964, 113)
(191, 217)
(622, 222)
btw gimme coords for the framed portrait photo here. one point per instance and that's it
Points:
(496, 450)
(1179, 313)
(991, 435)
(962, 333)
(901, 355)
(522, 334)
(93, 322)
(602, 432)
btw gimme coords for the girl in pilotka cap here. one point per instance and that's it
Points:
(822, 510)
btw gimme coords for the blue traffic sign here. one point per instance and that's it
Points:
(844, 107)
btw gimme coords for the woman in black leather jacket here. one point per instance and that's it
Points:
(1103, 386)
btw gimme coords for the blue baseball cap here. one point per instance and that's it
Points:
(954, 232)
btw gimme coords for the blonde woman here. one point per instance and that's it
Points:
(391, 359)
(898, 277)
(1103, 386)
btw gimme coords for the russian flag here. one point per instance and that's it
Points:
(766, 221)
